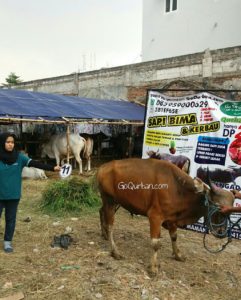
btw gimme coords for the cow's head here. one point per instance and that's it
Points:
(151, 153)
(217, 196)
(220, 196)
(46, 150)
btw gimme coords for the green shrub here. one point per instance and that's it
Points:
(65, 196)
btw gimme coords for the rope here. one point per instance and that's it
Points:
(212, 227)
(226, 224)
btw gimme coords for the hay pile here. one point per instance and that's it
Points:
(62, 197)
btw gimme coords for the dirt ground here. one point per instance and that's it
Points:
(86, 270)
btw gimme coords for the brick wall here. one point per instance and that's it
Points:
(217, 69)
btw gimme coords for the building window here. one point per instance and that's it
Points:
(174, 4)
(168, 5)
(171, 5)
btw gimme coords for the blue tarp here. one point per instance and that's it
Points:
(21, 103)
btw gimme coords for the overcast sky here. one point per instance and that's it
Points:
(46, 38)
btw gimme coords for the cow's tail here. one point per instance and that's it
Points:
(83, 151)
(95, 183)
(88, 147)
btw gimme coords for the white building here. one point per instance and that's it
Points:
(178, 27)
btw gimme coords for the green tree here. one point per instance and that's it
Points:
(12, 79)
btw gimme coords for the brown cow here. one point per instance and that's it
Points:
(156, 189)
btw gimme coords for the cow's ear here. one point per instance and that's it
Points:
(200, 186)
(214, 188)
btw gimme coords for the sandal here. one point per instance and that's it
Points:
(7, 247)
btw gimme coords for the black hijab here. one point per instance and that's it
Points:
(7, 157)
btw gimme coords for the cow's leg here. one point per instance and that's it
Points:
(173, 235)
(103, 225)
(57, 157)
(79, 161)
(87, 166)
(89, 163)
(114, 251)
(155, 232)
(107, 214)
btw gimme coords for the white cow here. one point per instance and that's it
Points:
(57, 147)
(33, 173)
(88, 151)
(86, 154)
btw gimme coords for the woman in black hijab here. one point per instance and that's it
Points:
(7, 157)
(12, 163)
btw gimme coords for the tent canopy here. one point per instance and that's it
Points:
(16, 105)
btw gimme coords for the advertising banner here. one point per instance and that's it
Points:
(197, 132)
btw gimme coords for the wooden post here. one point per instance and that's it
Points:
(130, 140)
(99, 139)
(67, 136)
(23, 145)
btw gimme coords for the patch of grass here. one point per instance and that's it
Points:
(65, 196)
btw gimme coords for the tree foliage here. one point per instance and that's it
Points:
(12, 79)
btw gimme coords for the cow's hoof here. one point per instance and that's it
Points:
(105, 236)
(180, 258)
(152, 272)
(116, 255)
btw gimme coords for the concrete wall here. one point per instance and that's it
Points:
(217, 69)
(195, 26)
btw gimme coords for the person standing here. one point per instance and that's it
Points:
(11, 164)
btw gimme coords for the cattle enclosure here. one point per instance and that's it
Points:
(122, 141)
